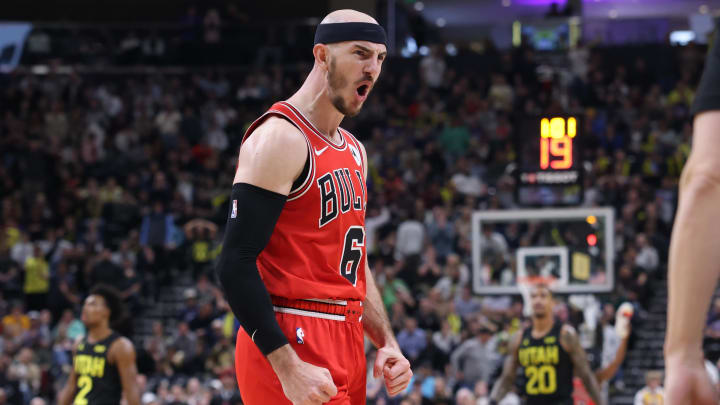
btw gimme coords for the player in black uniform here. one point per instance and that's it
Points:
(103, 361)
(549, 353)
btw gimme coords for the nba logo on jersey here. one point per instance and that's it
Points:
(233, 214)
(300, 334)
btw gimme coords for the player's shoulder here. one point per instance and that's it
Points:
(276, 140)
(122, 346)
(277, 130)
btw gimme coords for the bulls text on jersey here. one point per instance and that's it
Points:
(338, 194)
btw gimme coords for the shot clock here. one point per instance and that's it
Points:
(549, 166)
(556, 142)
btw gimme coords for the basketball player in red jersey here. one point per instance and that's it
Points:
(293, 265)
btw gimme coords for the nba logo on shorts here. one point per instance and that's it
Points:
(233, 214)
(300, 335)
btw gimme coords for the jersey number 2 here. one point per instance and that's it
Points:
(352, 253)
(85, 384)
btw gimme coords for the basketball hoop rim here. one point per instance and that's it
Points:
(534, 280)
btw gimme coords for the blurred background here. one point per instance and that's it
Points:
(120, 123)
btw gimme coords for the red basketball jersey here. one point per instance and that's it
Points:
(317, 249)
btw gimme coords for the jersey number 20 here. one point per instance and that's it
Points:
(541, 380)
(352, 253)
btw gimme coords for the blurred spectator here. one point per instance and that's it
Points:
(444, 342)
(168, 121)
(68, 327)
(130, 286)
(427, 315)
(410, 238)
(477, 358)
(455, 140)
(104, 271)
(441, 233)
(153, 48)
(647, 257)
(26, 372)
(466, 304)
(228, 394)
(652, 393)
(212, 25)
(482, 393)
(16, 319)
(432, 67)
(464, 396)
(500, 93)
(412, 340)
(456, 276)
(184, 342)
(22, 250)
(429, 271)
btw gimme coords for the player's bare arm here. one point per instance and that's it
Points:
(122, 355)
(694, 266)
(505, 383)
(390, 363)
(273, 157)
(694, 262)
(269, 162)
(570, 342)
(65, 396)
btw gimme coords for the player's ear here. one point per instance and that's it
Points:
(322, 55)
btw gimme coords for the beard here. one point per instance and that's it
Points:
(337, 82)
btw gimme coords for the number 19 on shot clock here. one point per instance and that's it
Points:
(548, 166)
(556, 141)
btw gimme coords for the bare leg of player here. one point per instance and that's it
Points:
(694, 267)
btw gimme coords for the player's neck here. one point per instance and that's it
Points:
(542, 325)
(99, 332)
(313, 101)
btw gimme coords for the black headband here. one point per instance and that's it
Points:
(350, 31)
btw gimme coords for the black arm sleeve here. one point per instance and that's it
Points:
(253, 214)
(708, 91)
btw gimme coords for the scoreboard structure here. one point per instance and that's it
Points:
(549, 170)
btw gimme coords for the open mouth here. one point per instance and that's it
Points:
(363, 90)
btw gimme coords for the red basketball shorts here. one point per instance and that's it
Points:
(324, 334)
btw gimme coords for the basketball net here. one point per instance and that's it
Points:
(525, 284)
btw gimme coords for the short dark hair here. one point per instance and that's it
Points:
(112, 301)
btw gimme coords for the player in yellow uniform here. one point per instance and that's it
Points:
(549, 353)
(103, 361)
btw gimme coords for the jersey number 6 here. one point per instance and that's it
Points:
(352, 253)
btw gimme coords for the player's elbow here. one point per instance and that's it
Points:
(224, 271)
(699, 180)
(234, 266)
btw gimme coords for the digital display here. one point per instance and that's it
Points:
(556, 141)
(550, 35)
(548, 160)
